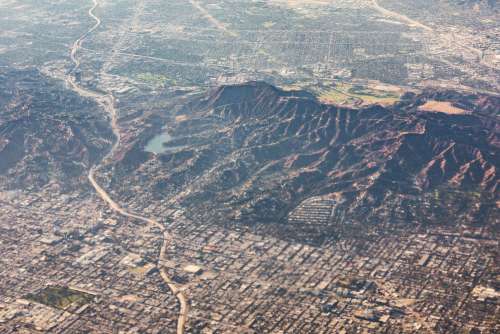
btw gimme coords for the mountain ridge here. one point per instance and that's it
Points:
(47, 133)
(252, 153)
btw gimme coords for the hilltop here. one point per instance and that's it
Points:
(252, 153)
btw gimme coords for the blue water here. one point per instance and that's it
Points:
(155, 145)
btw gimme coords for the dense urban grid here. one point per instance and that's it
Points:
(271, 166)
(396, 282)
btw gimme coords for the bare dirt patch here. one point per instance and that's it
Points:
(444, 107)
(181, 118)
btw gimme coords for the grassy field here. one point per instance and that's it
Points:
(60, 297)
(268, 24)
(355, 95)
(156, 80)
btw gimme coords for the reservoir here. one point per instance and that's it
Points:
(155, 145)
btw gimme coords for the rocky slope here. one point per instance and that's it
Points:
(252, 154)
(47, 132)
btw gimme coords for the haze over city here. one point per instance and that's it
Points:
(260, 166)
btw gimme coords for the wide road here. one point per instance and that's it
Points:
(219, 25)
(107, 102)
(446, 36)
(399, 17)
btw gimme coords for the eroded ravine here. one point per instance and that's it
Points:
(107, 102)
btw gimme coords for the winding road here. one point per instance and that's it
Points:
(107, 102)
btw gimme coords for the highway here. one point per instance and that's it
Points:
(107, 102)
(448, 36)
(219, 25)
(399, 17)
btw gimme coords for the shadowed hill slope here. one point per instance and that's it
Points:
(252, 153)
(47, 133)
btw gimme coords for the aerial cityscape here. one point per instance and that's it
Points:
(259, 166)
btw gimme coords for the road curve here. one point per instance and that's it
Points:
(107, 102)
